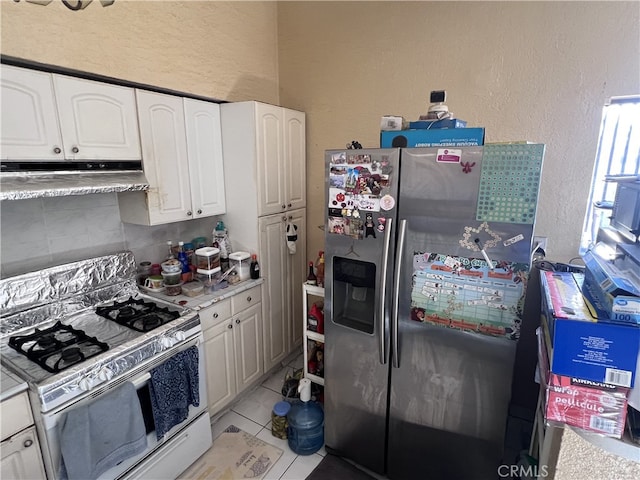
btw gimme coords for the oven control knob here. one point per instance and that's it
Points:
(85, 384)
(168, 342)
(180, 336)
(105, 374)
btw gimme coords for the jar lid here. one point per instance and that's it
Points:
(239, 256)
(281, 408)
(207, 251)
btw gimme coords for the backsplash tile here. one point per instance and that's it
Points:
(39, 233)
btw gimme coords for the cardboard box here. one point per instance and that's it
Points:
(593, 406)
(612, 294)
(440, 137)
(582, 345)
(432, 124)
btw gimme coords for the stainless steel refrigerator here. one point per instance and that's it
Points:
(427, 253)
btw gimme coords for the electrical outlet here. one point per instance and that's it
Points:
(542, 243)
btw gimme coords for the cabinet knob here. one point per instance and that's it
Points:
(290, 217)
(229, 326)
(75, 149)
(237, 321)
(289, 205)
(199, 211)
(215, 315)
(248, 299)
(189, 213)
(57, 150)
(284, 206)
(284, 218)
(27, 443)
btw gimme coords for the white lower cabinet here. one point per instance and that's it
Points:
(20, 457)
(232, 331)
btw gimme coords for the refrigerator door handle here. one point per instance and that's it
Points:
(382, 313)
(396, 294)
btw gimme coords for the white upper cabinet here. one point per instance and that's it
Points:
(280, 143)
(182, 152)
(98, 120)
(50, 117)
(30, 128)
(204, 147)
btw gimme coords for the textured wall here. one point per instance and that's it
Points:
(537, 71)
(224, 50)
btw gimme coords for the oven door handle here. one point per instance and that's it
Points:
(141, 380)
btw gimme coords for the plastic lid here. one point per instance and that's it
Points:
(208, 272)
(207, 251)
(239, 256)
(281, 408)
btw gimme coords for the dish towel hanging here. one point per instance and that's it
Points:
(173, 388)
(97, 436)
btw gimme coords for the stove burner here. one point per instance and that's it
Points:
(71, 355)
(57, 347)
(46, 341)
(137, 314)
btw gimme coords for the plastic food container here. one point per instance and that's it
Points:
(207, 258)
(208, 278)
(242, 261)
(192, 289)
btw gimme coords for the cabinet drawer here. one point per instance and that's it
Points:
(246, 299)
(16, 415)
(216, 313)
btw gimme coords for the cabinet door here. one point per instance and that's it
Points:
(21, 457)
(204, 146)
(30, 129)
(295, 159)
(273, 267)
(297, 274)
(164, 147)
(247, 338)
(270, 158)
(220, 361)
(98, 120)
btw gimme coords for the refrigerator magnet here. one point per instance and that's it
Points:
(387, 202)
(381, 224)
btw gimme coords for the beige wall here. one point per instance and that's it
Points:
(223, 50)
(539, 71)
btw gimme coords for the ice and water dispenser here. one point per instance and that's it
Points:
(354, 294)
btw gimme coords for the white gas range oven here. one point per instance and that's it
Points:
(80, 335)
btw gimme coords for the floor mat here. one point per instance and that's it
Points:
(334, 467)
(234, 454)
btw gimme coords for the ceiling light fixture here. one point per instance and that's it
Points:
(71, 4)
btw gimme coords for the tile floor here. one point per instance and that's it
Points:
(253, 415)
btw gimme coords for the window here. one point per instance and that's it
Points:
(618, 154)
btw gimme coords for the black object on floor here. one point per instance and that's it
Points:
(334, 467)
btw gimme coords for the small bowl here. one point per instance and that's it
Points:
(171, 266)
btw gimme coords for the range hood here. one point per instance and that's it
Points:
(19, 182)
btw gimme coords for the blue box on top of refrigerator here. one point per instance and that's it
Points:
(427, 255)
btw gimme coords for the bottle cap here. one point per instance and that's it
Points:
(281, 408)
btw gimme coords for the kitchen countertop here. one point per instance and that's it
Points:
(10, 384)
(206, 300)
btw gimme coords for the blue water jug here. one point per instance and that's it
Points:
(305, 432)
